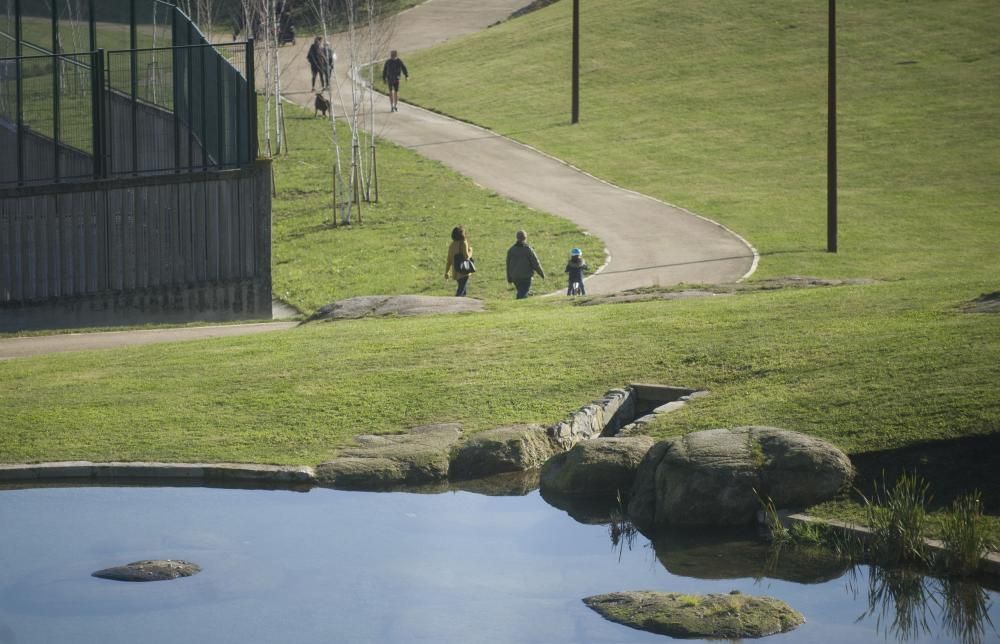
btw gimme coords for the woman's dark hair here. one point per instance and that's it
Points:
(457, 233)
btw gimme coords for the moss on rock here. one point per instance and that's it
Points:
(729, 616)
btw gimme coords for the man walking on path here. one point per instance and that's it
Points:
(522, 263)
(391, 71)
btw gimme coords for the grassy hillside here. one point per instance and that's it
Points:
(721, 108)
(718, 109)
(873, 367)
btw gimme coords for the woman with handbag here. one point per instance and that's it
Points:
(459, 260)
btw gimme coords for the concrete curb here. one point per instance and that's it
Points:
(990, 564)
(67, 471)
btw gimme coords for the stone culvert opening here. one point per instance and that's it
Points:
(621, 412)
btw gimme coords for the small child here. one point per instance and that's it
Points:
(575, 267)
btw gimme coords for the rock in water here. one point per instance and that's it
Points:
(718, 476)
(150, 570)
(714, 616)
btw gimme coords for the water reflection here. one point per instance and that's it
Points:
(903, 604)
(451, 567)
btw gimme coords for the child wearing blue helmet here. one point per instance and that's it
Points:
(575, 268)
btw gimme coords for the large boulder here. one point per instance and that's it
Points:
(733, 616)
(418, 457)
(601, 467)
(719, 476)
(515, 448)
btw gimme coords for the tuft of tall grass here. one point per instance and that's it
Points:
(774, 530)
(898, 520)
(965, 536)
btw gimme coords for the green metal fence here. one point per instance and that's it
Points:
(144, 93)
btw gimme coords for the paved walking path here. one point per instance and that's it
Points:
(649, 242)
(63, 342)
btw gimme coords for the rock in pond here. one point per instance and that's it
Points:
(515, 448)
(714, 477)
(600, 467)
(150, 570)
(714, 616)
(418, 457)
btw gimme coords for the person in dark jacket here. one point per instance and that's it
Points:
(318, 63)
(522, 264)
(575, 268)
(391, 71)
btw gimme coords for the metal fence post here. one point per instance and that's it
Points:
(204, 107)
(96, 106)
(251, 103)
(20, 92)
(56, 53)
(220, 137)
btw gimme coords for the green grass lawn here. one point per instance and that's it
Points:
(717, 108)
(721, 108)
(401, 246)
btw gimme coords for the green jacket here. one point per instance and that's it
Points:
(522, 263)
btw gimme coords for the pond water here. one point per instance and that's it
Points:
(333, 566)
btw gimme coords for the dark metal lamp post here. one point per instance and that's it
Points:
(831, 133)
(575, 118)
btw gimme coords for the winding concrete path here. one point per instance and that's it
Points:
(649, 243)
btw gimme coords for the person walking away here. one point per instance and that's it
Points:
(315, 58)
(575, 268)
(458, 251)
(391, 71)
(522, 264)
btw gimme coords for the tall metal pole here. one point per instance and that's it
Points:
(56, 68)
(19, 92)
(576, 62)
(831, 134)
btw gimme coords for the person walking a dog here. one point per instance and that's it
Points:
(391, 71)
(522, 264)
(318, 63)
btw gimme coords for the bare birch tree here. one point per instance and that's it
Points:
(365, 35)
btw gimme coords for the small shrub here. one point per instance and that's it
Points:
(965, 537)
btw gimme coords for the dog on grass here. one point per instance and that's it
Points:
(322, 105)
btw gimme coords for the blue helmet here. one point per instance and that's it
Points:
(576, 252)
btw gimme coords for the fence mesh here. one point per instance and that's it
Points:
(151, 96)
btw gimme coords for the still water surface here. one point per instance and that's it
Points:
(333, 566)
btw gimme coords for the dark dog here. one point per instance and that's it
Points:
(322, 105)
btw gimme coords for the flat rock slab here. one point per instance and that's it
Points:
(383, 462)
(657, 293)
(150, 570)
(714, 616)
(382, 305)
(985, 303)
